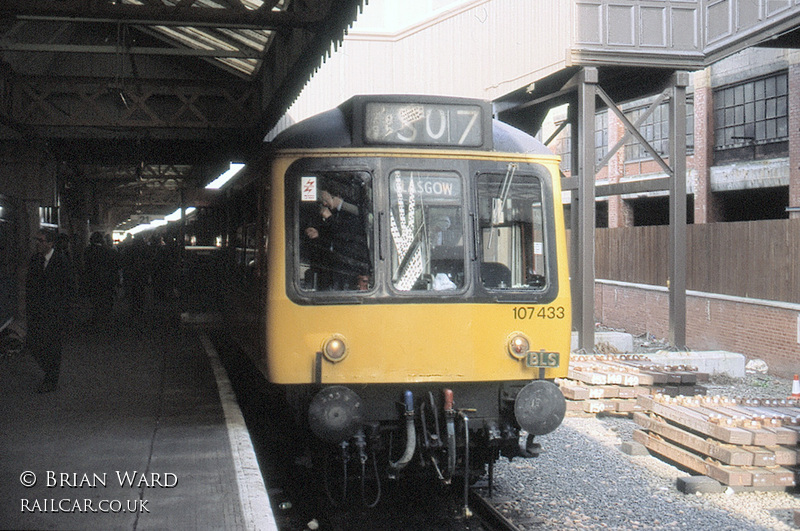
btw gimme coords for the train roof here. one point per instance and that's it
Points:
(335, 128)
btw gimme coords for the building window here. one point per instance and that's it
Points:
(689, 125)
(563, 143)
(655, 130)
(563, 148)
(600, 135)
(754, 112)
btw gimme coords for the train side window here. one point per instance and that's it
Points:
(426, 230)
(334, 231)
(512, 234)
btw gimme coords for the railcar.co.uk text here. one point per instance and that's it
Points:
(75, 480)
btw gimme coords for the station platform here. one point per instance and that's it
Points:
(143, 432)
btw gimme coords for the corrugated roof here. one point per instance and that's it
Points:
(251, 43)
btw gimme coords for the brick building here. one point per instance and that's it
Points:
(743, 147)
(741, 111)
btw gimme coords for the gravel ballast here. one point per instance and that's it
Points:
(582, 480)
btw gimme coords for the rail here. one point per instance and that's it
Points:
(488, 513)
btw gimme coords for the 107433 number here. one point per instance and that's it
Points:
(539, 312)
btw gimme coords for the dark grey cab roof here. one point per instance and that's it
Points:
(333, 129)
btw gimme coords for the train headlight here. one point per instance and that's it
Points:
(518, 345)
(334, 349)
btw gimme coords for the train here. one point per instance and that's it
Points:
(397, 266)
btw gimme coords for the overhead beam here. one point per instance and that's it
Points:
(568, 88)
(161, 172)
(132, 50)
(633, 187)
(90, 102)
(159, 15)
(640, 186)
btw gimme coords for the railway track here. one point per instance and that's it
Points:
(491, 518)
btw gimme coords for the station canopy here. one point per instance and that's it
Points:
(136, 100)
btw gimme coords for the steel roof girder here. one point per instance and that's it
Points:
(93, 103)
(133, 50)
(163, 15)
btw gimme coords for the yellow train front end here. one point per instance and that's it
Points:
(416, 343)
(410, 341)
(417, 293)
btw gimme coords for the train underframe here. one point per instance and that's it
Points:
(364, 435)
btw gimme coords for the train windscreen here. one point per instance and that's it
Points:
(336, 225)
(425, 222)
(512, 235)
(430, 235)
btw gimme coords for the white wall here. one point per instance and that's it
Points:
(478, 48)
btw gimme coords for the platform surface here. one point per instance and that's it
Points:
(137, 436)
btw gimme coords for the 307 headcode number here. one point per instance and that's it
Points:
(539, 312)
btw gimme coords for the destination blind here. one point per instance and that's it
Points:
(429, 187)
(424, 124)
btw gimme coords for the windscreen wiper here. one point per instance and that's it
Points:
(499, 202)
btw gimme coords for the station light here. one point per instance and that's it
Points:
(175, 216)
(220, 181)
(233, 169)
(139, 228)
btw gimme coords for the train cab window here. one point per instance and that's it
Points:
(334, 232)
(512, 235)
(427, 235)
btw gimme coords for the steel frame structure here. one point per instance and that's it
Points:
(581, 92)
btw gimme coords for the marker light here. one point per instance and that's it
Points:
(518, 345)
(334, 349)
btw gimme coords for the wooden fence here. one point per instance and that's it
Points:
(756, 259)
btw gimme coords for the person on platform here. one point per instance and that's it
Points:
(100, 277)
(47, 306)
(136, 269)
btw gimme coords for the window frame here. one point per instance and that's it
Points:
(383, 291)
(745, 126)
(456, 168)
(293, 230)
(550, 290)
